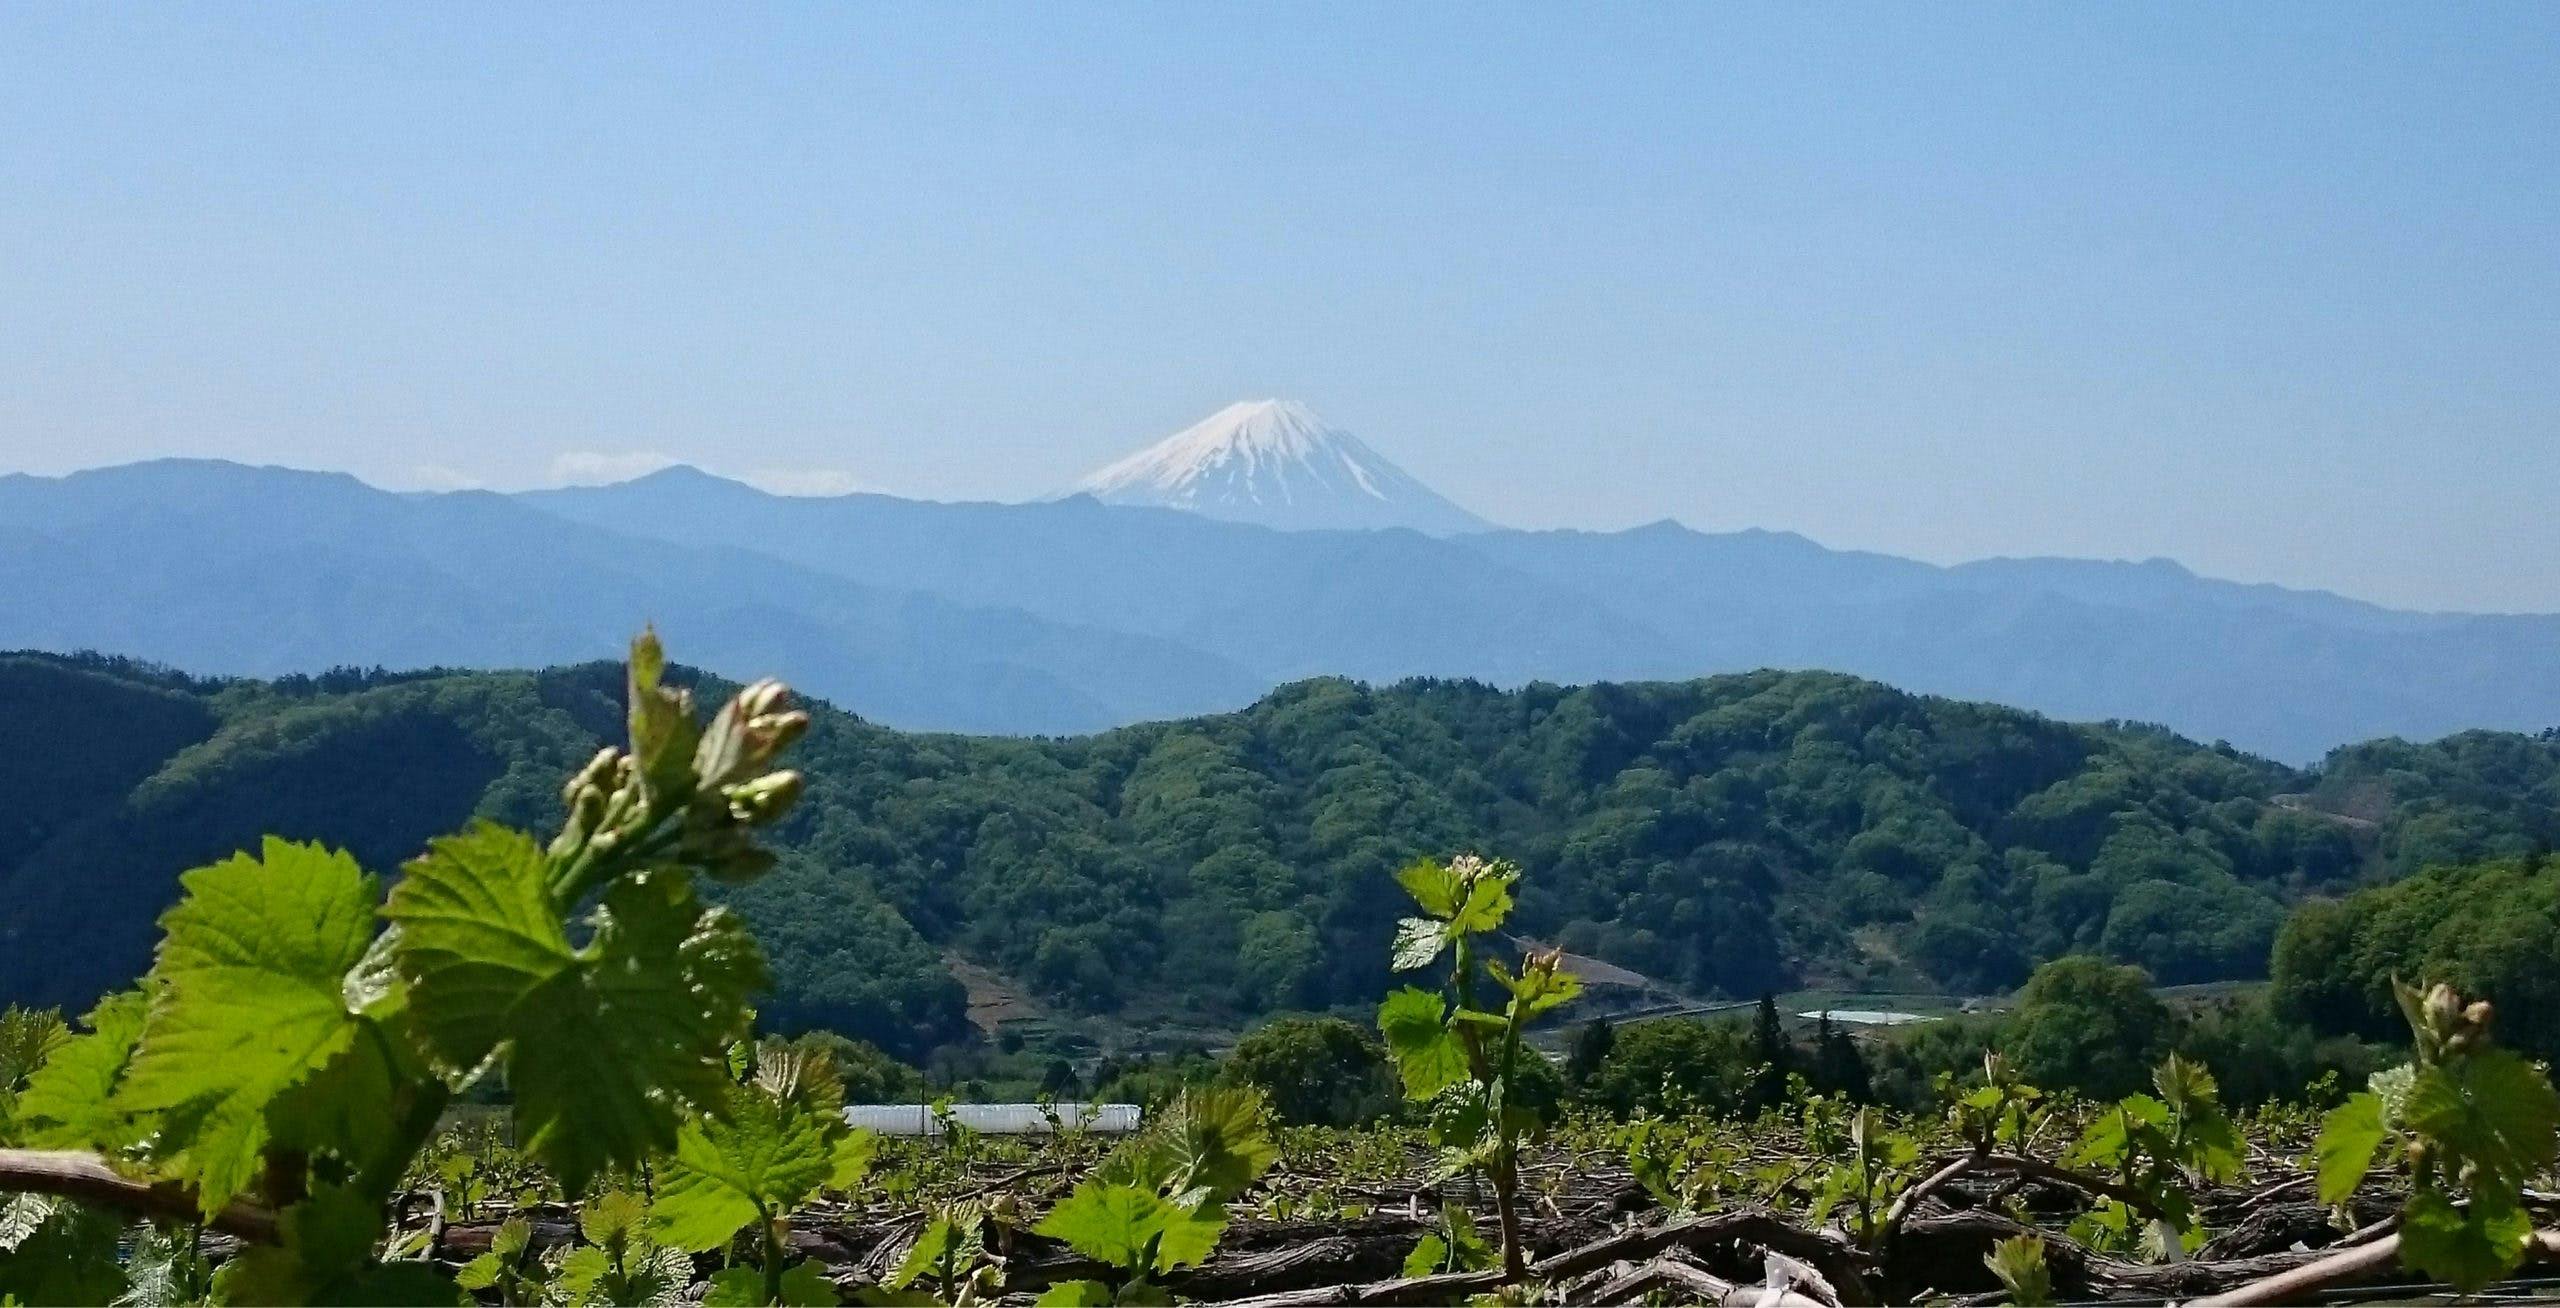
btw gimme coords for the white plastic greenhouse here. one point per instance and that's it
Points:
(996, 1119)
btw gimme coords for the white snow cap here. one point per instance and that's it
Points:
(1274, 462)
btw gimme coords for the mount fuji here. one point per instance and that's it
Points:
(1274, 463)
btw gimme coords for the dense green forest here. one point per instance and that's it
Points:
(1728, 835)
(2492, 929)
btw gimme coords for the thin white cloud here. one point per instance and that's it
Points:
(601, 467)
(803, 481)
(434, 477)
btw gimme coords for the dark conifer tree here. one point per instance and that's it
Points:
(1775, 1055)
(1590, 1049)
(1839, 1066)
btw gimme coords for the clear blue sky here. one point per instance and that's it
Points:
(2270, 289)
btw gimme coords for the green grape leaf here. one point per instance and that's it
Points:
(2185, 1085)
(805, 1285)
(1190, 1236)
(331, 1231)
(478, 933)
(69, 1103)
(1541, 989)
(2349, 1136)
(248, 1000)
(581, 1274)
(1460, 1116)
(1213, 1141)
(941, 1238)
(2104, 1143)
(1419, 940)
(2019, 1264)
(854, 1152)
(607, 1057)
(1427, 1056)
(1430, 1254)
(617, 1215)
(340, 1109)
(765, 1157)
(326, 1256)
(881, 1296)
(515, 1234)
(1488, 903)
(737, 1287)
(2214, 1148)
(480, 1273)
(2467, 1249)
(2492, 1109)
(2143, 1110)
(1075, 1294)
(1433, 886)
(1472, 1252)
(1109, 1223)
(2135, 1124)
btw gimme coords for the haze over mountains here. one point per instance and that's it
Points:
(1075, 614)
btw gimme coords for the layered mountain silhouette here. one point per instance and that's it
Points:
(1072, 615)
(216, 567)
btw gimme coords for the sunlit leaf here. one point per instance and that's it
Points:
(1419, 940)
(1427, 1056)
(2349, 1136)
(1488, 902)
(2467, 1247)
(1108, 1223)
(2492, 1109)
(805, 1285)
(69, 1103)
(248, 999)
(1075, 1294)
(1429, 1255)
(1433, 886)
(735, 1287)
(764, 1156)
(610, 1054)
(478, 934)
(2019, 1264)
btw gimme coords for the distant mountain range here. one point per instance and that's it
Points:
(1075, 615)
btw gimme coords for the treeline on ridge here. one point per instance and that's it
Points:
(1730, 835)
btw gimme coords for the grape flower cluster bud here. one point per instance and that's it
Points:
(733, 793)
(2444, 1025)
(697, 794)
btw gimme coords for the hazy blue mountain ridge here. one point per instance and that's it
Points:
(2287, 672)
(221, 569)
(1071, 615)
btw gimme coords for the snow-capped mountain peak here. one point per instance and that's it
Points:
(1274, 462)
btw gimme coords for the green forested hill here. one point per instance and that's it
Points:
(1731, 834)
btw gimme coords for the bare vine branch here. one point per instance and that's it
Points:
(70, 1174)
(2337, 1269)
